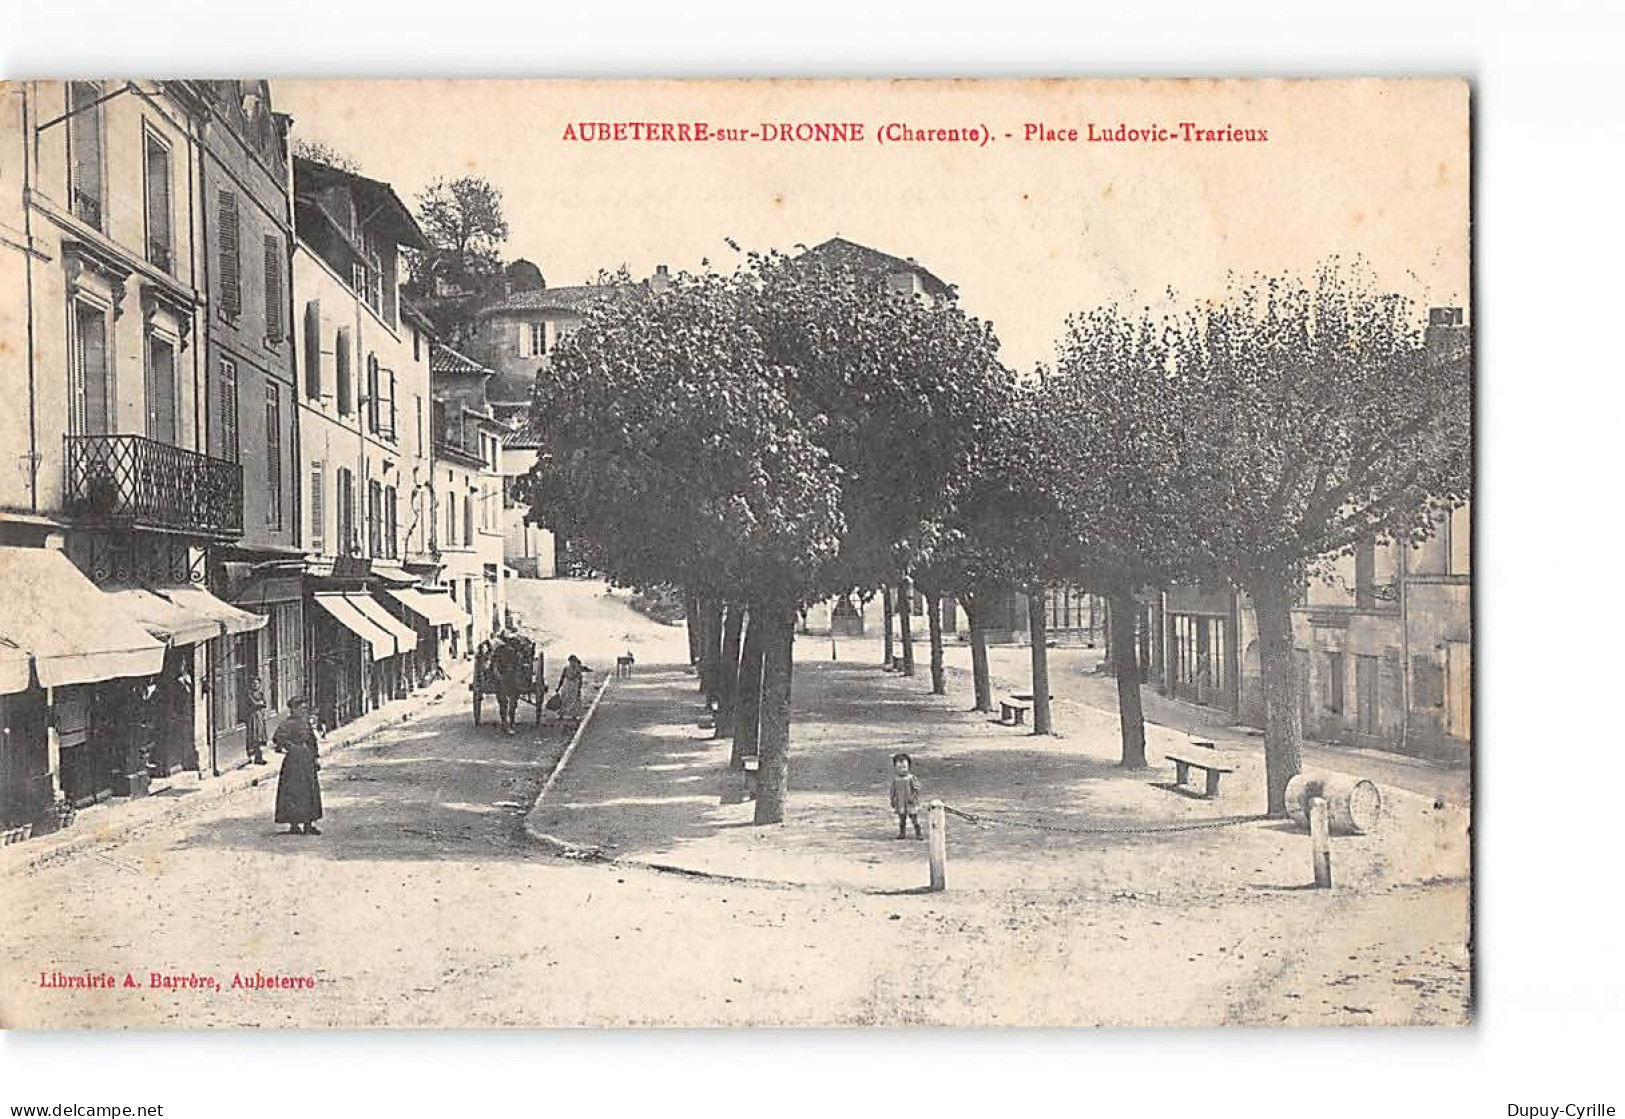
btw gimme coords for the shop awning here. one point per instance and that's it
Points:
(183, 615)
(406, 639)
(231, 619)
(70, 628)
(436, 609)
(343, 611)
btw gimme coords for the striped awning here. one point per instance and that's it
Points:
(406, 640)
(378, 642)
(74, 632)
(436, 609)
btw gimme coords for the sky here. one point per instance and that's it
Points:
(1028, 230)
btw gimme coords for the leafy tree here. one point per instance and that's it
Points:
(1109, 449)
(323, 152)
(466, 230)
(776, 435)
(463, 220)
(1305, 416)
(676, 455)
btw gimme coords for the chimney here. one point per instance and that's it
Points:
(661, 280)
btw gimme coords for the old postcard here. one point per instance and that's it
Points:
(727, 553)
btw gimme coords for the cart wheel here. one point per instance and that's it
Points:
(476, 708)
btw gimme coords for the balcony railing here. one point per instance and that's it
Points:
(133, 480)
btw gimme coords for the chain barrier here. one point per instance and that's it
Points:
(984, 819)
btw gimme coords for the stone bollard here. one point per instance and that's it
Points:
(936, 833)
(1320, 842)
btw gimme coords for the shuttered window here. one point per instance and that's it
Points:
(313, 349)
(273, 289)
(160, 390)
(229, 442)
(345, 545)
(372, 393)
(273, 456)
(390, 415)
(341, 371)
(318, 510)
(89, 404)
(375, 519)
(160, 242)
(231, 284)
(390, 513)
(85, 167)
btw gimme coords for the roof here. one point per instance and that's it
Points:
(850, 254)
(412, 313)
(381, 200)
(445, 361)
(543, 299)
(525, 437)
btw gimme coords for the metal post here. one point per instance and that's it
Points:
(936, 830)
(1320, 842)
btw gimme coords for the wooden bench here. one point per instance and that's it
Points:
(1013, 710)
(1202, 757)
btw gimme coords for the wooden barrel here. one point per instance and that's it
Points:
(1354, 804)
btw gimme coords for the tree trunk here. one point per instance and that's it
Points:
(939, 679)
(748, 693)
(711, 652)
(728, 676)
(1283, 716)
(1130, 715)
(1040, 638)
(981, 679)
(691, 608)
(905, 624)
(773, 778)
(889, 650)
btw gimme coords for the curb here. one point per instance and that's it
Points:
(555, 845)
(117, 826)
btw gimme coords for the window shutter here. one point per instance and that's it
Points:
(389, 522)
(85, 140)
(273, 456)
(161, 391)
(313, 349)
(317, 510)
(392, 433)
(158, 235)
(92, 400)
(231, 290)
(273, 288)
(341, 365)
(372, 393)
(229, 447)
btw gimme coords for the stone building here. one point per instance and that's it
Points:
(366, 462)
(119, 490)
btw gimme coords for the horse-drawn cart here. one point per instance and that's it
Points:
(528, 663)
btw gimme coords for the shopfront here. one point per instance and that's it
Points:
(68, 720)
(433, 616)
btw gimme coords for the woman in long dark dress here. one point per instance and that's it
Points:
(298, 794)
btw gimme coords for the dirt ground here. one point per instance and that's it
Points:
(425, 902)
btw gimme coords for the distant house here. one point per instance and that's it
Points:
(466, 493)
(903, 275)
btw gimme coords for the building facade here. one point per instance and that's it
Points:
(116, 500)
(365, 457)
(246, 222)
(467, 494)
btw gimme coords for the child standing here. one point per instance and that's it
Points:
(905, 796)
